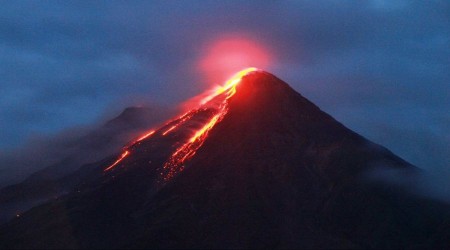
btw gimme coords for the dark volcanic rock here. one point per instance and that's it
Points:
(276, 172)
(75, 160)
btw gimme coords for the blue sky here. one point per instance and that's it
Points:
(379, 67)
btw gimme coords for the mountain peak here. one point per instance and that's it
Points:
(257, 86)
(258, 75)
(264, 95)
(261, 80)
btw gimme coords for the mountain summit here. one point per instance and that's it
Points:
(257, 165)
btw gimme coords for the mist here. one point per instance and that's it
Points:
(428, 184)
(55, 156)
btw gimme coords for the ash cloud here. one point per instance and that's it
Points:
(380, 67)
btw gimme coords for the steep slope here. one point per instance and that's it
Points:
(278, 172)
(257, 166)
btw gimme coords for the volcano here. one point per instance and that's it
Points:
(256, 165)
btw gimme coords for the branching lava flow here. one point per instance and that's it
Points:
(187, 150)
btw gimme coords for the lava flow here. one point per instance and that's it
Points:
(179, 121)
(176, 161)
(124, 154)
(175, 164)
(144, 136)
(127, 149)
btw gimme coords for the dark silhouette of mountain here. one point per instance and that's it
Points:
(268, 169)
(54, 180)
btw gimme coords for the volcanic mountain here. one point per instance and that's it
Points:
(255, 166)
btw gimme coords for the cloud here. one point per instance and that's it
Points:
(430, 185)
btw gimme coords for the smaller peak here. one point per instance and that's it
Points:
(133, 111)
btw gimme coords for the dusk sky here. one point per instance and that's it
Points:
(381, 67)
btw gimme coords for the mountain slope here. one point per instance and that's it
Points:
(259, 166)
(278, 172)
(79, 150)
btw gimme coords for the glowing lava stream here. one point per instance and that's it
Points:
(181, 120)
(230, 85)
(124, 154)
(144, 136)
(176, 161)
(127, 151)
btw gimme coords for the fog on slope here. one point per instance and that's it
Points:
(57, 155)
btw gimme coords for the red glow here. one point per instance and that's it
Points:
(124, 154)
(145, 136)
(127, 152)
(205, 128)
(228, 86)
(170, 129)
(180, 121)
(175, 163)
(230, 54)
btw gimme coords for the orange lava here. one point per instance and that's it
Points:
(145, 136)
(186, 151)
(170, 129)
(180, 121)
(175, 163)
(203, 130)
(126, 151)
(229, 85)
(124, 154)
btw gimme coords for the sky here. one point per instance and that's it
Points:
(381, 67)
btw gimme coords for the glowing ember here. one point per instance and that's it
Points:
(124, 154)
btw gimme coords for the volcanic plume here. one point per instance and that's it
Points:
(255, 165)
